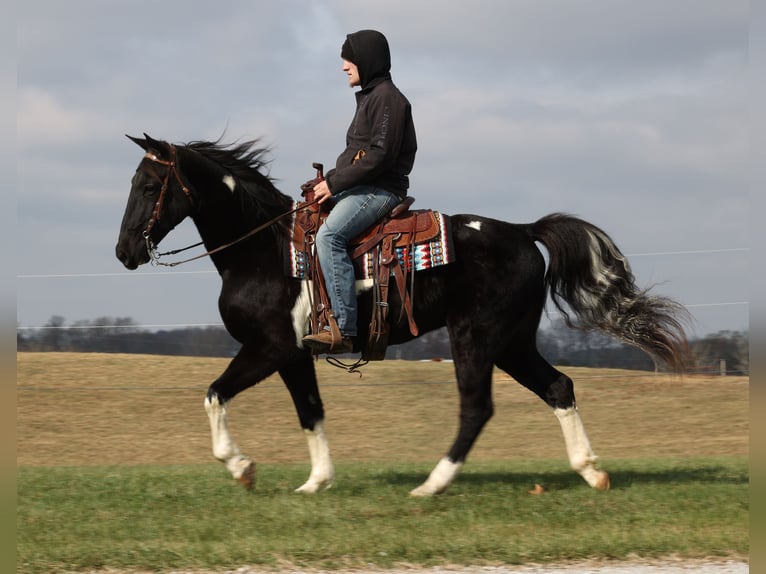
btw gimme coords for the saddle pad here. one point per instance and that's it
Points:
(426, 255)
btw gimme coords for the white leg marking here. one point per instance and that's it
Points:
(322, 470)
(439, 479)
(229, 182)
(474, 225)
(581, 456)
(224, 447)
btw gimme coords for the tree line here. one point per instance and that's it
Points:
(558, 343)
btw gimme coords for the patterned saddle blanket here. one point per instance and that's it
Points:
(428, 246)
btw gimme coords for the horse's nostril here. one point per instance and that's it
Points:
(124, 258)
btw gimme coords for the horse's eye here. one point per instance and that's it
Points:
(149, 189)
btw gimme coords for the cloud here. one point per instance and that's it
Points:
(43, 120)
(629, 113)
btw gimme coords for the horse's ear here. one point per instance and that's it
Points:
(158, 147)
(150, 145)
(143, 144)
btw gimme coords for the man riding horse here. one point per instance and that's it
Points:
(370, 177)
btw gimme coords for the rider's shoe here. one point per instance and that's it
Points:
(322, 342)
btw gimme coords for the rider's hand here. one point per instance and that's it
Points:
(321, 192)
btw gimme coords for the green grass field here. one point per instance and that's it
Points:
(162, 518)
(115, 474)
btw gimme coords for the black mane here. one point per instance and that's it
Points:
(246, 163)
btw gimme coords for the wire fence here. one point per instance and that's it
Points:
(353, 382)
(138, 327)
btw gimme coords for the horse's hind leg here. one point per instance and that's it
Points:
(300, 378)
(474, 378)
(557, 390)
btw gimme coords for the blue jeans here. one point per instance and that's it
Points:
(353, 211)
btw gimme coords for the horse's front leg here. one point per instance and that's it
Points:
(300, 378)
(225, 449)
(250, 366)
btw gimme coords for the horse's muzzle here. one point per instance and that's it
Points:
(131, 261)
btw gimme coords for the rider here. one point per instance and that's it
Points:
(370, 176)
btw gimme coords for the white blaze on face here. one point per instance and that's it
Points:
(229, 182)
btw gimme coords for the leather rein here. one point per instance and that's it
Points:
(151, 248)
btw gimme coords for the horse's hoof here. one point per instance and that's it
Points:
(420, 492)
(312, 487)
(247, 478)
(424, 491)
(602, 482)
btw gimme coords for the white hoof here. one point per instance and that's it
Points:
(602, 481)
(425, 490)
(597, 479)
(243, 470)
(312, 486)
(439, 479)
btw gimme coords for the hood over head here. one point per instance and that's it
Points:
(369, 50)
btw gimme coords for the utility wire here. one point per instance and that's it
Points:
(213, 271)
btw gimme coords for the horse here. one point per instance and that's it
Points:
(491, 300)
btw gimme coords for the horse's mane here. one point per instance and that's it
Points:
(245, 162)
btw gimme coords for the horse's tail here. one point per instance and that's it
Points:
(589, 276)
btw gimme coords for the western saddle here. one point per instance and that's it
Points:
(393, 237)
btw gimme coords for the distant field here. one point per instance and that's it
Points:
(116, 472)
(86, 409)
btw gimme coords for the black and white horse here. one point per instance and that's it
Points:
(490, 298)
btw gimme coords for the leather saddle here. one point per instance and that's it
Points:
(390, 242)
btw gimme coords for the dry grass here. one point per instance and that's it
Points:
(86, 409)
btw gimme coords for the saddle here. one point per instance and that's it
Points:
(389, 245)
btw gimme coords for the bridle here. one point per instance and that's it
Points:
(172, 166)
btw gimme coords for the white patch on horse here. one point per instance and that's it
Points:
(301, 311)
(363, 285)
(229, 182)
(474, 225)
(581, 456)
(439, 479)
(322, 470)
(224, 447)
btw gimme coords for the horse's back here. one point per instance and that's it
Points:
(499, 249)
(495, 283)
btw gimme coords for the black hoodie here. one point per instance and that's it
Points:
(380, 143)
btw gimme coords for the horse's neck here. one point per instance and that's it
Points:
(219, 226)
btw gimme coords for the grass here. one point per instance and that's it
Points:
(163, 518)
(113, 470)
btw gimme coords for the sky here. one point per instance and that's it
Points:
(631, 115)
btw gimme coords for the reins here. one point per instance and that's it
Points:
(155, 256)
(156, 214)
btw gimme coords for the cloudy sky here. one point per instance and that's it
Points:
(633, 115)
